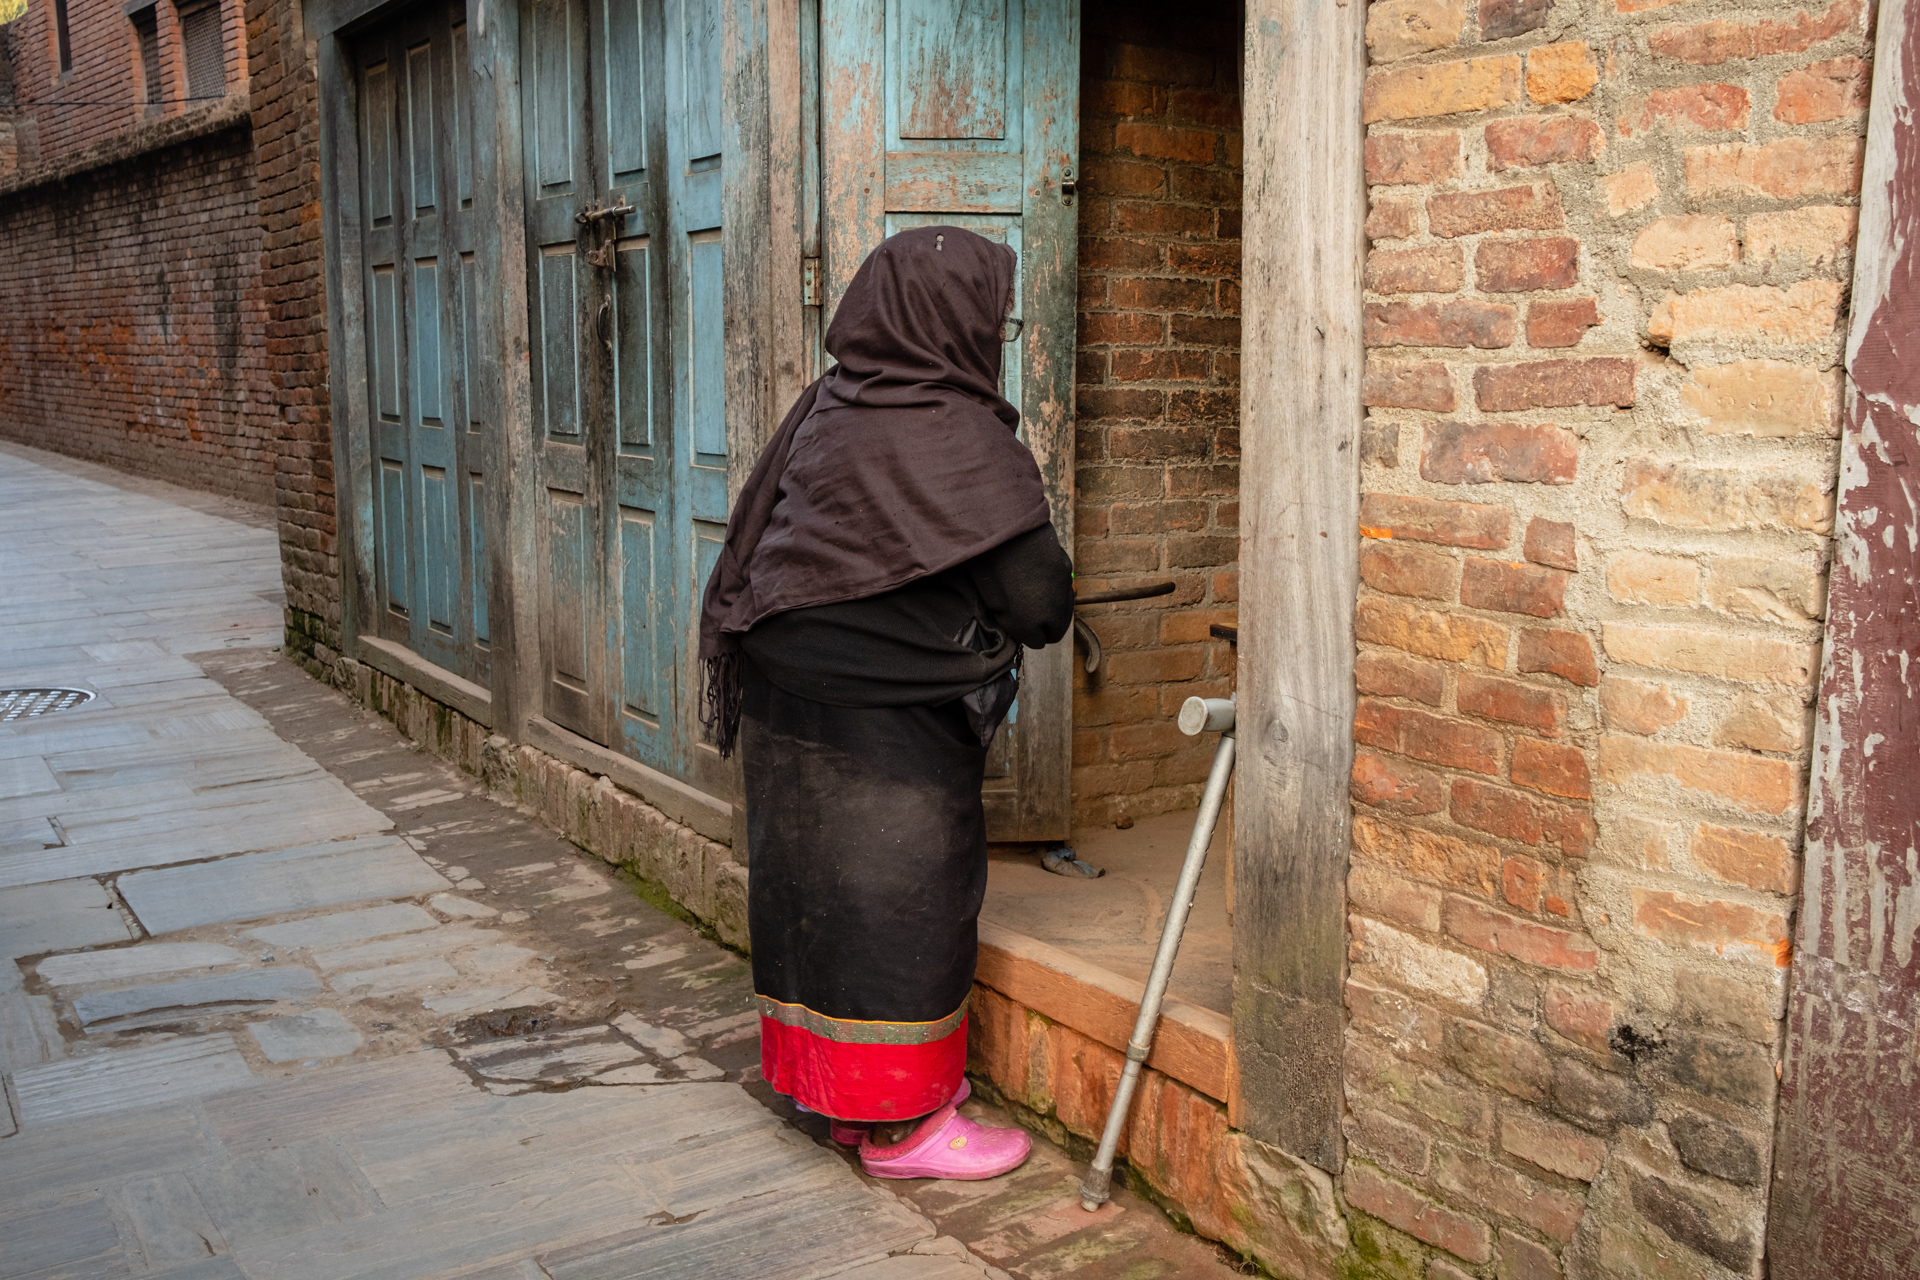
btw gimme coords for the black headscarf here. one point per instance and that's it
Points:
(898, 463)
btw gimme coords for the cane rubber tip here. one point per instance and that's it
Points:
(1091, 1206)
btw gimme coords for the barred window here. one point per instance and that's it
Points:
(206, 57)
(147, 27)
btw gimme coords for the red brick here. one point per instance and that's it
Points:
(1709, 44)
(1393, 675)
(1552, 1146)
(1409, 571)
(1461, 323)
(1790, 169)
(1512, 816)
(1524, 1259)
(1550, 542)
(1750, 858)
(1401, 1206)
(1159, 64)
(1539, 140)
(1730, 929)
(1755, 783)
(1454, 637)
(1555, 1214)
(1392, 219)
(1523, 882)
(1205, 106)
(1465, 213)
(1693, 108)
(1437, 269)
(1455, 524)
(1396, 785)
(1160, 142)
(1524, 266)
(1510, 1063)
(1554, 384)
(1425, 855)
(1584, 1017)
(1407, 386)
(1501, 934)
(1457, 744)
(1511, 586)
(1639, 707)
(1400, 159)
(1121, 98)
(1511, 701)
(1560, 323)
(1502, 19)
(1122, 254)
(1124, 328)
(1556, 770)
(1481, 453)
(1566, 654)
(1822, 91)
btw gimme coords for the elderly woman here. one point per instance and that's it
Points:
(885, 564)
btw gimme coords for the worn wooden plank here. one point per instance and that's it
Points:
(1300, 415)
(1845, 1161)
(1193, 1045)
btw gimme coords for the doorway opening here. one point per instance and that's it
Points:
(1157, 397)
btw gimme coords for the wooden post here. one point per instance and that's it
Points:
(1299, 486)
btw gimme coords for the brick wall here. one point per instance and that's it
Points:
(131, 320)
(1610, 245)
(1158, 391)
(287, 157)
(104, 95)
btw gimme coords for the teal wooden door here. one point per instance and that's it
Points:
(966, 112)
(620, 117)
(429, 405)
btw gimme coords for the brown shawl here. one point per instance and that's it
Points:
(898, 463)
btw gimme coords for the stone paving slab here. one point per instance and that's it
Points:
(135, 962)
(248, 987)
(342, 927)
(117, 1079)
(264, 884)
(48, 917)
(318, 1033)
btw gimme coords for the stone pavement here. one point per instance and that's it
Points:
(282, 996)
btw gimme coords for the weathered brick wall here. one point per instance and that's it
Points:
(131, 320)
(287, 157)
(1158, 391)
(1610, 244)
(104, 95)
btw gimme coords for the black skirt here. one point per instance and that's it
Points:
(867, 865)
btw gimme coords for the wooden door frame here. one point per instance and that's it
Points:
(1301, 359)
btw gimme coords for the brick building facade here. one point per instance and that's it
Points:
(1602, 302)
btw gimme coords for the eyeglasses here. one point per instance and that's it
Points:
(1010, 328)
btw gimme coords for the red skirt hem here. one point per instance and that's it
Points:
(850, 1081)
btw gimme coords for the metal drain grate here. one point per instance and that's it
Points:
(17, 704)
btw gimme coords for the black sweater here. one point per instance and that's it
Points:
(902, 648)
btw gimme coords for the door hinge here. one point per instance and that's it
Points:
(809, 282)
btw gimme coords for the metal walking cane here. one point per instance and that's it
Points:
(1197, 716)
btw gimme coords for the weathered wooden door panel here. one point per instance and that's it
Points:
(622, 141)
(965, 112)
(428, 415)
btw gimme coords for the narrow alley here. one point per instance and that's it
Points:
(287, 997)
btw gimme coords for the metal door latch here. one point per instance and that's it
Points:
(601, 257)
(591, 215)
(810, 282)
(1069, 186)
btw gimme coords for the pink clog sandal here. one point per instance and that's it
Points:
(948, 1145)
(851, 1133)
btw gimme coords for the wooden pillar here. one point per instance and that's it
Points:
(1299, 486)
